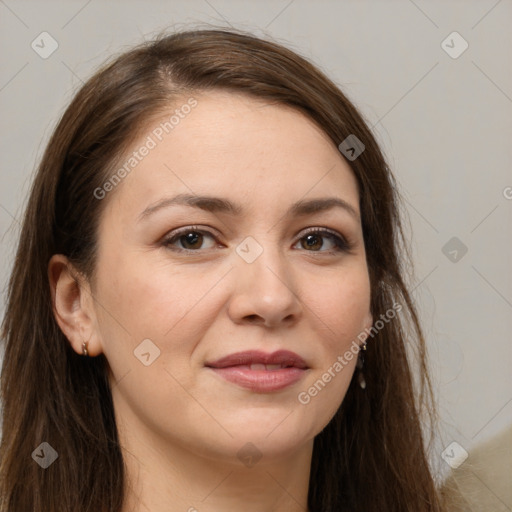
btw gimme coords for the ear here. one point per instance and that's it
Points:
(72, 305)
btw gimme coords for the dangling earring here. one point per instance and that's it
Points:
(359, 365)
(85, 352)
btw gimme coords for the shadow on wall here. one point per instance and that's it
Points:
(485, 478)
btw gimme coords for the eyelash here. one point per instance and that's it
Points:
(342, 245)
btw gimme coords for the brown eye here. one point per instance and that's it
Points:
(314, 241)
(189, 240)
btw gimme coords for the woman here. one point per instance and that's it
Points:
(211, 239)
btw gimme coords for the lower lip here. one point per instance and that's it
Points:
(261, 380)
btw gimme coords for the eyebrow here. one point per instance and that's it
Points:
(220, 205)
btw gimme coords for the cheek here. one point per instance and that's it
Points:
(341, 309)
(166, 304)
(341, 302)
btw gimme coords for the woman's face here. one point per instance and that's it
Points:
(181, 284)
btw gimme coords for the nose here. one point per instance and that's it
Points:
(265, 292)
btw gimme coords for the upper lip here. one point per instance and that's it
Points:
(282, 357)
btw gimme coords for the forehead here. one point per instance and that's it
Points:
(235, 145)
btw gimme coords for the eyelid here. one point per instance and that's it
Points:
(186, 229)
(307, 231)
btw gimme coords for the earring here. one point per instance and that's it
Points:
(359, 365)
(85, 352)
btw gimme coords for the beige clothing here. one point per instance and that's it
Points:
(484, 479)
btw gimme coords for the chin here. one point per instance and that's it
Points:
(277, 436)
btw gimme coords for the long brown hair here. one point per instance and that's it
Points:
(372, 456)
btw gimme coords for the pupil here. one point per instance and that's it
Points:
(191, 238)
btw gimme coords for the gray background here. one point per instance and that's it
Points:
(445, 124)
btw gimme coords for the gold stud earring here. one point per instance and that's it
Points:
(85, 352)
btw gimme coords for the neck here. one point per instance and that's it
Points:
(169, 477)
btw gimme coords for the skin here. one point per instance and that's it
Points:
(180, 425)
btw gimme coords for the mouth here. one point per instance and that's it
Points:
(260, 372)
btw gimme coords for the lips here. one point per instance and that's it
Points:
(279, 359)
(260, 372)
